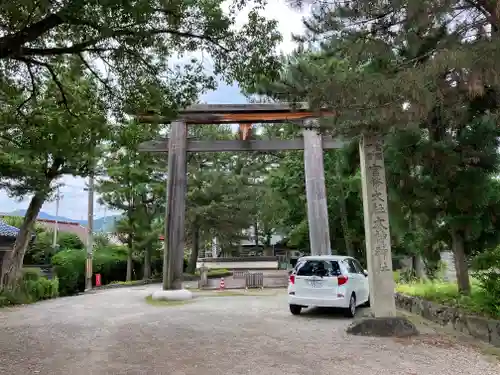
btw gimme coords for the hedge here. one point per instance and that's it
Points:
(109, 261)
(32, 287)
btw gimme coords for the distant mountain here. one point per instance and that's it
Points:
(46, 216)
(106, 223)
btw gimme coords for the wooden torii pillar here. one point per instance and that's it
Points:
(177, 145)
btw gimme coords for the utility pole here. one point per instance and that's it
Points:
(56, 224)
(90, 228)
(104, 220)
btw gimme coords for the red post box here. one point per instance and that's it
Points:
(97, 279)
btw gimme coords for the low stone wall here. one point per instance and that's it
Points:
(187, 277)
(240, 263)
(487, 330)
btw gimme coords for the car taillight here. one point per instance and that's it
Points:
(292, 279)
(341, 280)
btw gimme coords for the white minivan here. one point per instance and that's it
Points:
(328, 281)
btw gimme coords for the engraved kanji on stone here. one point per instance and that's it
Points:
(380, 238)
(377, 144)
(379, 208)
(378, 196)
(378, 156)
(380, 223)
(375, 170)
(380, 230)
(380, 251)
(384, 267)
(377, 182)
(376, 177)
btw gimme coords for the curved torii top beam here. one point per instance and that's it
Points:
(201, 114)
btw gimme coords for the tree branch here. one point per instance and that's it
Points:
(12, 44)
(33, 88)
(55, 78)
(86, 45)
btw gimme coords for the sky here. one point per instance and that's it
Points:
(73, 203)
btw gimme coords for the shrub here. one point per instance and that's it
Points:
(41, 250)
(31, 287)
(109, 261)
(396, 276)
(487, 273)
(69, 266)
(67, 240)
(216, 272)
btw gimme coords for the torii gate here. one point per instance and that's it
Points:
(313, 144)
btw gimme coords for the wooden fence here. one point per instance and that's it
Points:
(254, 280)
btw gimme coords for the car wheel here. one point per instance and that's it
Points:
(351, 310)
(367, 303)
(295, 309)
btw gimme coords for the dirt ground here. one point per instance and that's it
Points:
(116, 332)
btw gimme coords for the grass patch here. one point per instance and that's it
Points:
(447, 294)
(153, 302)
(133, 282)
(214, 272)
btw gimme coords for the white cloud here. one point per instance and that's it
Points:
(74, 202)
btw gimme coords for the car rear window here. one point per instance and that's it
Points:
(318, 268)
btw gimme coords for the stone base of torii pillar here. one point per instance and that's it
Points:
(172, 295)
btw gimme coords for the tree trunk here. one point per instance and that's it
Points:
(195, 249)
(147, 262)
(129, 258)
(462, 271)
(419, 267)
(343, 210)
(256, 233)
(13, 261)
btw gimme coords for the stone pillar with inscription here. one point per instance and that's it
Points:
(376, 222)
(317, 210)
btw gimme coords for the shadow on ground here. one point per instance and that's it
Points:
(331, 313)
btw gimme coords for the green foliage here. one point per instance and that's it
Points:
(216, 272)
(110, 262)
(135, 43)
(134, 184)
(45, 141)
(69, 266)
(101, 240)
(421, 53)
(487, 267)
(67, 240)
(389, 69)
(15, 221)
(41, 250)
(221, 189)
(342, 180)
(396, 276)
(447, 293)
(31, 287)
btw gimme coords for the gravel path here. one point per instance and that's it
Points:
(116, 332)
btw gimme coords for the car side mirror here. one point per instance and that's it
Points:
(365, 272)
